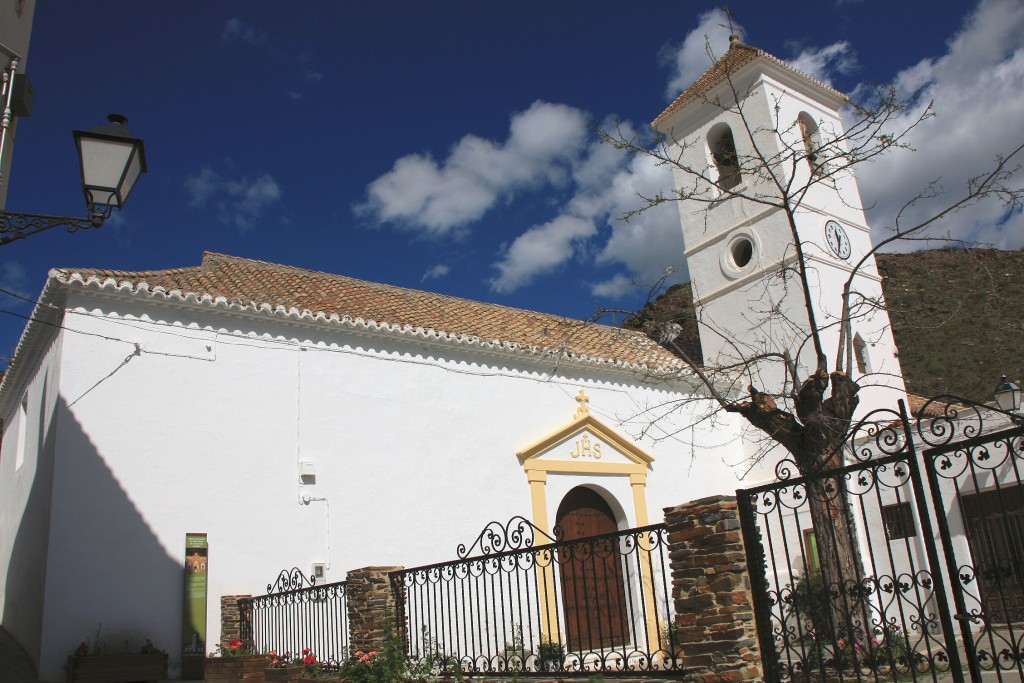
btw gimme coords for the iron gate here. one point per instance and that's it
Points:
(853, 579)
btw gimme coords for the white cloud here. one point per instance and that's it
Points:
(239, 202)
(691, 58)
(540, 249)
(607, 184)
(438, 198)
(977, 89)
(237, 31)
(823, 62)
(614, 288)
(434, 272)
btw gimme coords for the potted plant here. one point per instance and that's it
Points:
(233, 663)
(94, 663)
(282, 668)
(551, 652)
(516, 653)
(311, 667)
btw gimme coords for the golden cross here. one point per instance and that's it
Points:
(583, 410)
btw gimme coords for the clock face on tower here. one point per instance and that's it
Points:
(838, 240)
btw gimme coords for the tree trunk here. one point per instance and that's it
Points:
(847, 618)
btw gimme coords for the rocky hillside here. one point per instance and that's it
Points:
(957, 315)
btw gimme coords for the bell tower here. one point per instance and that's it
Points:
(760, 169)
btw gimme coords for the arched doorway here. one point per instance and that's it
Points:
(593, 592)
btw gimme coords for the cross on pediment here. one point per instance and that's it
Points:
(582, 410)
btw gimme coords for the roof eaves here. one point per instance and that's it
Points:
(43, 324)
(112, 284)
(738, 56)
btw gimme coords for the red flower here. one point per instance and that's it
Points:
(306, 651)
(309, 660)
(235, 644)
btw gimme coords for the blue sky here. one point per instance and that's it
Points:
(446, 145)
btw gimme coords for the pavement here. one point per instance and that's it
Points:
(15, 664)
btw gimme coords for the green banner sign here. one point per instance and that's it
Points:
(193, 623)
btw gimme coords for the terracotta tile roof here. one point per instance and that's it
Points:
(917, 405)
(732, 61)
(299, 293)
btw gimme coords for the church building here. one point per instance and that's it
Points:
(299, 418)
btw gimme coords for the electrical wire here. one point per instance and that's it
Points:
(241, 339)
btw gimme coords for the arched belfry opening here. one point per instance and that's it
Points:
(723, 153)
(593, 587)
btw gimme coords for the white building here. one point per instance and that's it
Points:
(143, 406)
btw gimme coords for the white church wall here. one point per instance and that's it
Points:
(26, 473)
(413, 446)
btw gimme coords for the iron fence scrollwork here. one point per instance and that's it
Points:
(296, 614)
(600, 604)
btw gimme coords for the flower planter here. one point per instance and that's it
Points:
(249, 669)
(287, 674)
(117, 668)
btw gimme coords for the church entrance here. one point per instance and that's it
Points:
(593, 591)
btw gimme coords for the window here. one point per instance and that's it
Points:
(899, 521)
(742, 252)
(812, 142)
(723, 153)
(994, 521)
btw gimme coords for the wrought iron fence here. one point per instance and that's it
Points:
(295, 615)
(600, 604)
(849, 581)
(974, 458)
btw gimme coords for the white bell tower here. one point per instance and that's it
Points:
(747, 126)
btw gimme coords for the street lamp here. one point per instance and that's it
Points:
(111, 160)
(1007, 395)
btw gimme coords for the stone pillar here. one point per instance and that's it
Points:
(371, 602)
(711, 591)
(230, 618)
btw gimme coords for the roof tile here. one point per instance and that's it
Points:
(259, 284)
(729, 63)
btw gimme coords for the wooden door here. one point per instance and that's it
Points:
(593, 592)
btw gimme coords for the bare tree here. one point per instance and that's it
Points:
(776, 164)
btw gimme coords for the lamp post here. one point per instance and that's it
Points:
(111, 159)
(1007, 395)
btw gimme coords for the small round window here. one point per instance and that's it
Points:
(740, 254)
(742, 251)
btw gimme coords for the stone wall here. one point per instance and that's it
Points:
(711, 590)
(230, 619)
(371, 602)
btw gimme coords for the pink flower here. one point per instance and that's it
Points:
(235, 644)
